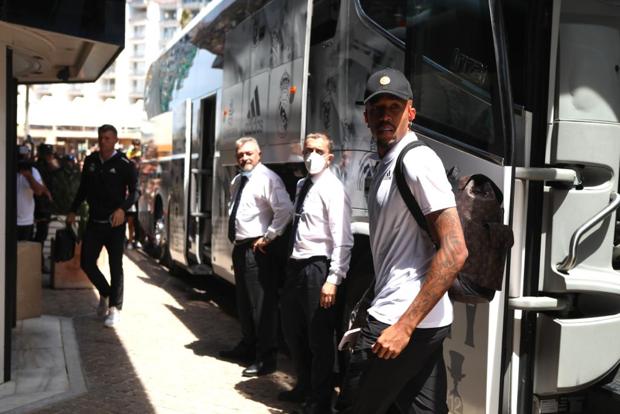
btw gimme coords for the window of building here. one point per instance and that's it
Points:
(389, 15)
(450, 48)
(137, 68)
(108, 85)
(168, 32)
(169, 14)
(137, 86)
(138, 50)
(138, 31)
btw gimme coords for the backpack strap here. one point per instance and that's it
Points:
(404, 190)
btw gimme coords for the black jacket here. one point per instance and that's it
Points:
(106, 186)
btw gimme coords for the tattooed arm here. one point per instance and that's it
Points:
(445, 265)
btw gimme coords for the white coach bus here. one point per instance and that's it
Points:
(526, 92)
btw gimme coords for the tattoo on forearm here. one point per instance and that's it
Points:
(443, 268)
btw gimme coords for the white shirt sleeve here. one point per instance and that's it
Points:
(427, 180)
(280, 205)
(37, 176)
(339, 216)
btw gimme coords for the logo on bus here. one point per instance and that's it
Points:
(254, 123)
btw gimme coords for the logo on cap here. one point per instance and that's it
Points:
(385, 80)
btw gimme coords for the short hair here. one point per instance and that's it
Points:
(105, 128)
(324, 137)
(244, 140)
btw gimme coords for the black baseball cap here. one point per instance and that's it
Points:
(387, 81)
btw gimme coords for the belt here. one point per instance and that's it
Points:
(302, 262)
(100, 221)
(245, 241)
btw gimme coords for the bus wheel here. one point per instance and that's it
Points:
(160, 245)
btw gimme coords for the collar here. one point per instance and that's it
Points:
(249, 174)
(396, 149)
(104, 161)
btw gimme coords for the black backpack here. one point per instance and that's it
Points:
(64, 244)
(479, 204)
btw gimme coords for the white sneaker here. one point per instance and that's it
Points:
(102, 309)
(114, 317)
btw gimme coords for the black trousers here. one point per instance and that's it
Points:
(256, 287)
(42, 230)
(24, 233)
(96, 236)
(308, 328)
(412, 383)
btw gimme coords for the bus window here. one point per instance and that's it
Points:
(324, 20)
(389, 15)
(450, 47)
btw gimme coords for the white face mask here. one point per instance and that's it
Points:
(315, 163)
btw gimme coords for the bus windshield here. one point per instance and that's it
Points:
(454, 76)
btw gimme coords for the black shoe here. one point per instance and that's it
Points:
(239, 353)
(259, 368)
(297, 395)
(316, 408)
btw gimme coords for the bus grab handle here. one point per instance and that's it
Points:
(571, 260)
(562, 175)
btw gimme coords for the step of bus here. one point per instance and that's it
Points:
(200, 270)
(606, 398)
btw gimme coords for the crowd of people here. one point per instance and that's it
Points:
(396, 362)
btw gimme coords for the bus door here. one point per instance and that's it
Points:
(201, 183)
(178, 203)
(569, 341)
(455, 64)
(546, 132)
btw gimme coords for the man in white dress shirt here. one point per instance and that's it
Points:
(320, 253)
(260, 210)
(397, 361)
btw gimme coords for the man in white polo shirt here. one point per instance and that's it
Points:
(397, 361)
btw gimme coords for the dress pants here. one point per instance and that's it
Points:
(412, 383)
(96, 236)
(256, 287)
(309, 329)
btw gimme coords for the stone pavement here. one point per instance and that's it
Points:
(163, 356)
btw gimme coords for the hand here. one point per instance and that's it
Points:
(392, 341)
(118, 217)
(70, 219)
(26, 172)
(328, 295)
(260, 245)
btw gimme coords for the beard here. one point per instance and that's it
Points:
(247, 167)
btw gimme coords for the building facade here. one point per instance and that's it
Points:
(67, 115)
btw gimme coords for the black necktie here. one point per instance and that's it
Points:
(299, 207)
(232, 228)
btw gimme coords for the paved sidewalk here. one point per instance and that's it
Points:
(163, 356)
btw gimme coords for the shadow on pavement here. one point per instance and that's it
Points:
(112, 382)
(208, 311)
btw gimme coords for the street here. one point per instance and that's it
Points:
(163, 356)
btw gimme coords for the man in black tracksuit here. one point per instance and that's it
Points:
(108, 185)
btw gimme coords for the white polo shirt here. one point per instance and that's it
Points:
(265, 207)
(25, 198)
(324, 227)
(401, 250)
